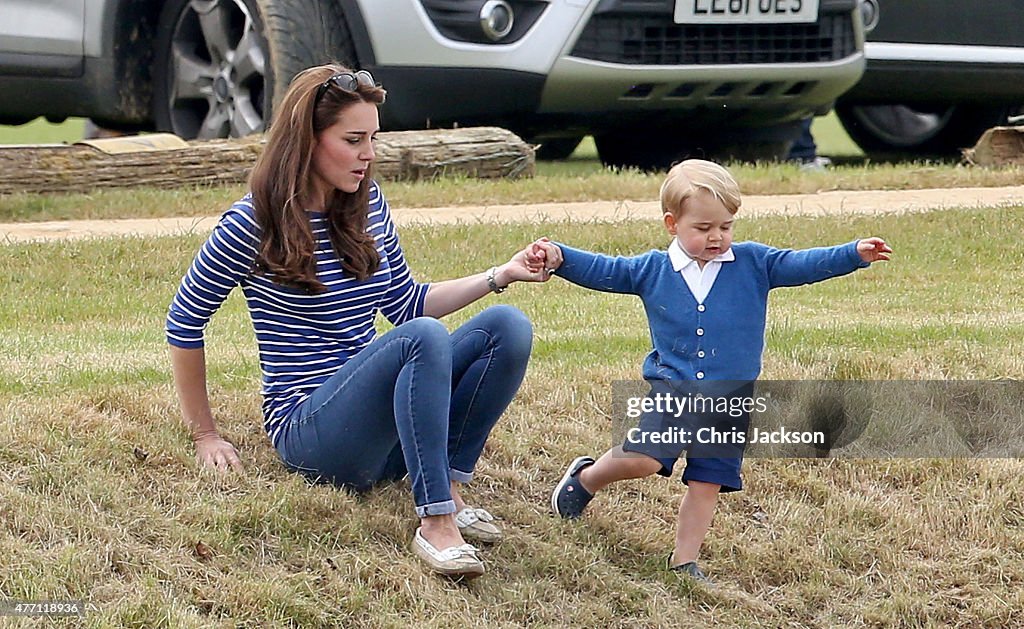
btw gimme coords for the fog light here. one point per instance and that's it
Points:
(869, 11)
(496, 19)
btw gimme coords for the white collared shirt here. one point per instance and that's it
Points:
(698, 280)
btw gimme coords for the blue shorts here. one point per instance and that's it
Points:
(712, 437)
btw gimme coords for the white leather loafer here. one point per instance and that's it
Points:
(457, 561)
(475, 525)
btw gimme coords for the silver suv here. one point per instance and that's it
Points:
(648, 78)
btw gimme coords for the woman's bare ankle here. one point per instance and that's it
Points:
(441, 531)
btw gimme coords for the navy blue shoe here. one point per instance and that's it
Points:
(690, 569)
(569, 498)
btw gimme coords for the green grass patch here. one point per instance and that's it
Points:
(39, 131)
(102, 500)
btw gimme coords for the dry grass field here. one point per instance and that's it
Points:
(102, 501)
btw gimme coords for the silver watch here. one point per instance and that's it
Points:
(491, 284)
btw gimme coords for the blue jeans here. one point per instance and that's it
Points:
(804, 149)
(418, 401)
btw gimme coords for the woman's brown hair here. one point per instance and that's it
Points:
(281, 184)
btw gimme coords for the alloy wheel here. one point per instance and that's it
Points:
(217, 71)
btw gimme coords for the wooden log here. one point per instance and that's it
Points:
(999, 146)
(481, 152)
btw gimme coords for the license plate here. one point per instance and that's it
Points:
(745, 11)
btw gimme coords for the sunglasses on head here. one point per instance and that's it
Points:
(347, 81)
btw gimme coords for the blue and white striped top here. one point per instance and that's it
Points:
(303, 338)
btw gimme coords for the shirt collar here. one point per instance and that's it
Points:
(680, 259)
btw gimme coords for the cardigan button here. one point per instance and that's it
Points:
(700, 331)
(700, 375)
(701, 308)
(700, 354)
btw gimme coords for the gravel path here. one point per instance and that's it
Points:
(824, 203)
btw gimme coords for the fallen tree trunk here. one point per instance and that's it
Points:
(999, 146)
(482, 152)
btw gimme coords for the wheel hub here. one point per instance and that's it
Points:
(222, 89)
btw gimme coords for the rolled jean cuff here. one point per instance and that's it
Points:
(436, 508)
(460, 476)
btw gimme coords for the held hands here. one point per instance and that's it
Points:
(535, 263)
(873, 249)
(214, 451)
(544, 257)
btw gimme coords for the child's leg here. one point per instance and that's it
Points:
(615, 465)
(695, 513)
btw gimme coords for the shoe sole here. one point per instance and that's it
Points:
(569, 471)
(481, 537)
(467, 573)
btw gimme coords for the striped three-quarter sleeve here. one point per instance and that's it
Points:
(404, 298)
(225, 258)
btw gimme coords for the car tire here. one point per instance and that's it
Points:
(905, 129)
(220, 65)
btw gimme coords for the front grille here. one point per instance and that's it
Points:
(645, 39)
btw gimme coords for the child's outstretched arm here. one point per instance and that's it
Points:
(589, 270)
(787, 267)
(873, 249)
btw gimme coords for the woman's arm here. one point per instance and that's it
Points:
(450, 295)
(189, 367)
(224, 259)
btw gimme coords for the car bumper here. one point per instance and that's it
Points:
(938, 83)
(741, 91)
(588, 64)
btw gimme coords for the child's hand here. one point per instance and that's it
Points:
(543, 256)
(873, 249)
(547, 254)
(536, 262)
(535, 257)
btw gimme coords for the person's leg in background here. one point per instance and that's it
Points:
(805, 150)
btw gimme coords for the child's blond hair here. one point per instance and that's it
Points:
(689, 176)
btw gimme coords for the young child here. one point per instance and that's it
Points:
(706, 301)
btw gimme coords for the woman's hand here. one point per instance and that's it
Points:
(535, 263)
(212, 450)
(873, 249)
(544, 254)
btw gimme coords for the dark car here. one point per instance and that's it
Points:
(939, 73)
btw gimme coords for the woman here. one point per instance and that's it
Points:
(315, 251)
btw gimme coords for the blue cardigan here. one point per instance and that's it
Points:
(723, 337)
